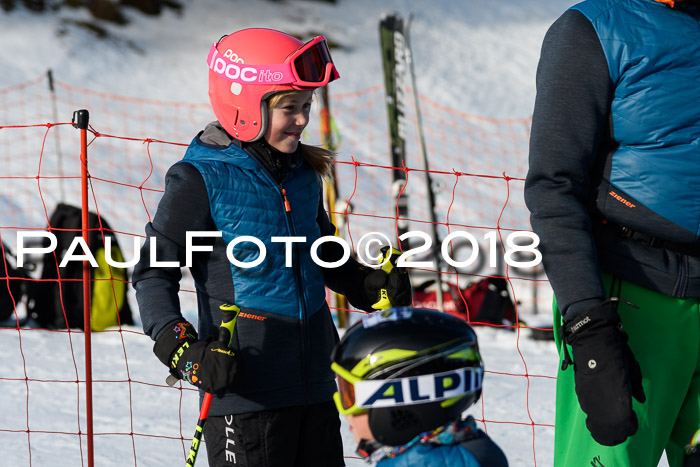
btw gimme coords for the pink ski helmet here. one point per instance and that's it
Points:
(246, 67)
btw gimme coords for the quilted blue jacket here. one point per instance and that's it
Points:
(615, 150)
(284, 334)
(652, 51)
(245, 201)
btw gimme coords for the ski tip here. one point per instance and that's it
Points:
(390, 15)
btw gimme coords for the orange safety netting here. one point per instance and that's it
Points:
(477, 165)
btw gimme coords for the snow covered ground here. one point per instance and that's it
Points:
(50, 404)
(475, 57)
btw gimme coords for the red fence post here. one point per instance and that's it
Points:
(80, 121)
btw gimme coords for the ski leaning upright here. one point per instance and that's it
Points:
(398, 62)
(392, 43)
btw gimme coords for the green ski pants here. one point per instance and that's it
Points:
(664, 335)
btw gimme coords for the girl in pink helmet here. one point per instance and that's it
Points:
(248, 175)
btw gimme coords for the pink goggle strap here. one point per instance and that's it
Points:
(249, 74)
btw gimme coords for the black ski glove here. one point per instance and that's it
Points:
(206, 364)
(388, 286)
(396, 284)
(606, 374)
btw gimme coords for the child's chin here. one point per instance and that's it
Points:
(290, 147)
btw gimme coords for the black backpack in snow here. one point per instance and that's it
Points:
(55, 303)
(12, 283)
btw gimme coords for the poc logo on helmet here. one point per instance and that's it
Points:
(233, 56)
(417, 389)
(233, 67)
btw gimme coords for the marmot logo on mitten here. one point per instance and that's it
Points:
(580, 324)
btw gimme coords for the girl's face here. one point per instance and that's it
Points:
(287, 119)
(359, 425)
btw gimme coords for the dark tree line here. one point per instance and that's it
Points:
(106, 10)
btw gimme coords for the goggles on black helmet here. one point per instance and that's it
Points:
(356, 395)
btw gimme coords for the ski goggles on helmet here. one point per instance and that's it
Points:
(356, 395)
(344, 398)
(310, 66)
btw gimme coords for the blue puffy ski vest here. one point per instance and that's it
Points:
(245, 201)
(652, 53)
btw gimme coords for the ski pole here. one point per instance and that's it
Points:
(388, 261)
(229, 313)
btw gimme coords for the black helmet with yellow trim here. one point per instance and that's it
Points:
(411, 369)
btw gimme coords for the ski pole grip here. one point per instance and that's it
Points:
(229, 313)
(388, 262)
(389, 257)
(384, 303)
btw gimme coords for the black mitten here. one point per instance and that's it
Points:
(207, 364)
(388, 286)
(606, 374)
(398, 286)
(395, 285)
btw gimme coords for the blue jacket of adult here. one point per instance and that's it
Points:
(650, 49)
(614, 150)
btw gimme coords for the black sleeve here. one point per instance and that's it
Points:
(348, 279)
(184, 206)
(569, 121)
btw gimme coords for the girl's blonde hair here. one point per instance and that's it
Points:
(320, 159)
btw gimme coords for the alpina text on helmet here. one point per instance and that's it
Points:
(417, 389)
